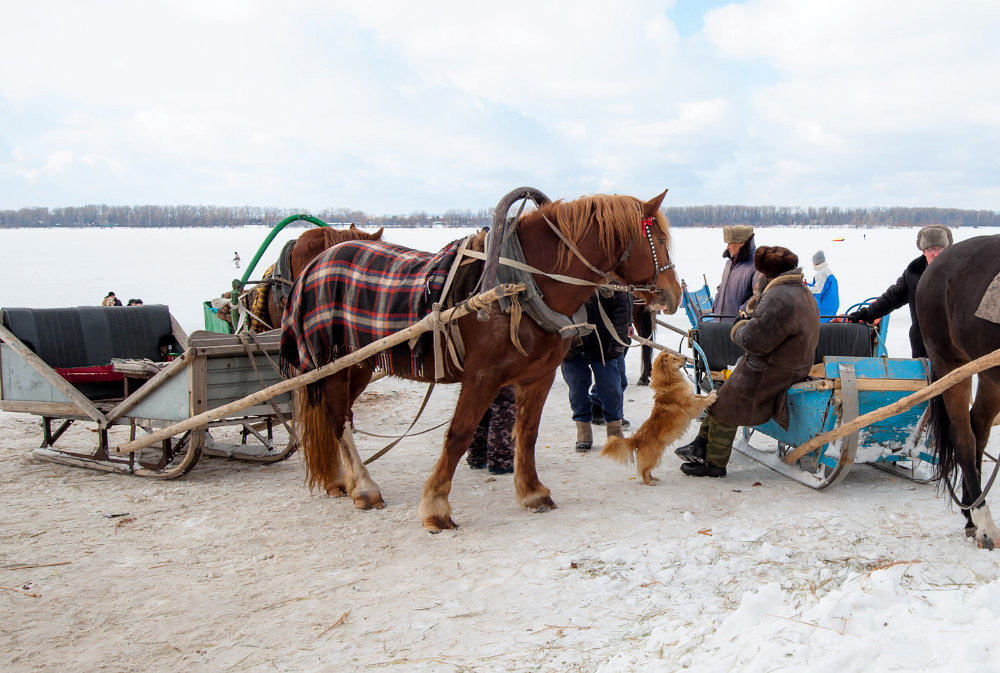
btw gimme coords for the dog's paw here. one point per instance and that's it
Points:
(711, 397)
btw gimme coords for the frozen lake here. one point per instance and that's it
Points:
(48, 268)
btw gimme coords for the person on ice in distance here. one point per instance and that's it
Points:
(739, 276)
(236, 259)
(779, 338)
(931, 240)
(824, 287)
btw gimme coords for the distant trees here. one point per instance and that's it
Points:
(691, 216)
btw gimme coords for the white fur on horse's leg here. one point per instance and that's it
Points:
(987, 534)
(364, 492)
(435, 511)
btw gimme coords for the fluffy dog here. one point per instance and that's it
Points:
(675, 405)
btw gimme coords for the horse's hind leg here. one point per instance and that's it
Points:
(956, 402)
(340, 392)
(984, 410)
(473, 401)
(530, 400)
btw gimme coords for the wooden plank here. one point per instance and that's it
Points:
(42, 408)
(179, 334)
(151, 385)
(424, 325)
(50, 375)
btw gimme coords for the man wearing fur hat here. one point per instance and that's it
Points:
(739, 276)
(780, 343)
(931, 241)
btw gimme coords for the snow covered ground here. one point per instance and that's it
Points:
(236, 567)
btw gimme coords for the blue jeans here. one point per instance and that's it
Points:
(595, 397)
(607, 379)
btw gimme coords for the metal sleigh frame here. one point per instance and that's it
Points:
(212, 371)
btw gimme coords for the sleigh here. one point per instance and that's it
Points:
(129, 371)
(852, 377)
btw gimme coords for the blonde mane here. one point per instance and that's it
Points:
(618, 220)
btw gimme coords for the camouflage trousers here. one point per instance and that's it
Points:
(720, 440)
(492, 445)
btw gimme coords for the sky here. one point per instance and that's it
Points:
(399, 107)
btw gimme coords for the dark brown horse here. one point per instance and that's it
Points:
(617, 235)
(948, 297)
(265, 303)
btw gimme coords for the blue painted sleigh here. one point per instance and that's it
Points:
(852, 376)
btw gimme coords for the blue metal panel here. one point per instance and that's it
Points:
(877, 368)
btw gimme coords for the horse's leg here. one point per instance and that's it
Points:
(984, 410)
(956, 403)
(340, 392)
(473, 402)
(530, 400)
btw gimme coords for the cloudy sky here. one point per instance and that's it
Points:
(394, 107)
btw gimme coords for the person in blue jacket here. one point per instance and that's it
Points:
(824, 288)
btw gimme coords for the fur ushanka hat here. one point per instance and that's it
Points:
(774, 260)
(934, 236)
(737, 233)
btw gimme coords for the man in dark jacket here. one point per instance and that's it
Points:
(739, 276)
(598, 352)
(931, 241)
(780, 342)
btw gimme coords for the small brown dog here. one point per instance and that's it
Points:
(675, 405)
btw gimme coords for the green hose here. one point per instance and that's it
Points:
(270, 237)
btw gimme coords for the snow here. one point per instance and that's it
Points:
(237, 566)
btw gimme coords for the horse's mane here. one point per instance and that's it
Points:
(618, 220)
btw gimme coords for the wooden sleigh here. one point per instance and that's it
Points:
(135, 367)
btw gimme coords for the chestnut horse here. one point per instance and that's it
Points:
(621, 236)
(308, 247)
(948, 296)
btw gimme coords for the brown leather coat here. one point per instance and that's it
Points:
(780, 344)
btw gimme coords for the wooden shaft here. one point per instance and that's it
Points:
(671, 327)
(899, 406)
(301, 380)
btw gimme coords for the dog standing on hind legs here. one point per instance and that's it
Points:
(675, 405)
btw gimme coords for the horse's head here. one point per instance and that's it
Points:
(648, 265)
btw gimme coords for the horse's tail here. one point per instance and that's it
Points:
(620, 449)
(320, 448)
(940, 422)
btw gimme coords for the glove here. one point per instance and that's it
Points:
(742, 315)
(858, 316)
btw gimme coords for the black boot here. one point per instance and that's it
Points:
(693, 452)
(702, 470)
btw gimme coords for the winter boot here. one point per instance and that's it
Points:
(614, 429)
(695, 451)
(584, 436)
(702, 470)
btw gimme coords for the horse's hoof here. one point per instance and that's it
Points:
(369, 501)
(543, 504)
(436, 524)
(642, 382)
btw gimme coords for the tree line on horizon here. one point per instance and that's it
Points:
(688, 216)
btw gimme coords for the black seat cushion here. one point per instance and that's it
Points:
(843, 339)
(88, 336)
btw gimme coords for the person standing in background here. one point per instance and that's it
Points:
(111, 300)
(739, 276)
(824, 287)
(236, 259)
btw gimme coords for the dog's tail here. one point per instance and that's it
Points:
(620, 449)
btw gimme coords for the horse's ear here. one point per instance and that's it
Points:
(650, 207)
(377, 236)
(353, 228)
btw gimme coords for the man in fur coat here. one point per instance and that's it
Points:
(931, 241)
(780, 339)
(739, 276)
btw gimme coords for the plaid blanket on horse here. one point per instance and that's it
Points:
(356, 293)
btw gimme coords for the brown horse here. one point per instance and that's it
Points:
(948, 297)
(270, 305)
(617, 235)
